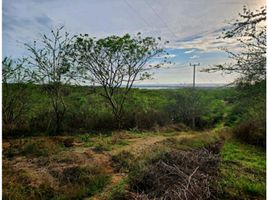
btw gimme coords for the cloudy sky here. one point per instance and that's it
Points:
(191, 26)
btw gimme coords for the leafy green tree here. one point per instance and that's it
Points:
(15, 104)
(115, 63)
(52, 67)
(189, 108)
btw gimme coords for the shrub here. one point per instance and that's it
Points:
(33, 148)
(251, 132)
(77, 182)
(20, 187)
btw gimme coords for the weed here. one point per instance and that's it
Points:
(119, 191)
(103, 143)
(33, 149)
(85, 137)
(20, 187)
(122, 161)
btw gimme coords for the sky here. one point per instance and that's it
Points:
(192, 28)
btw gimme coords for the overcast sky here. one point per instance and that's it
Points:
(191, 26)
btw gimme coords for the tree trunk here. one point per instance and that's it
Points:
(119, 122)
(58, 124)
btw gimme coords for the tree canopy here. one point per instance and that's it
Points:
(249, 60)
(115, 63)
(52, 66)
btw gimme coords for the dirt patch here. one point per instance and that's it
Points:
(63, 157)
(137, 145)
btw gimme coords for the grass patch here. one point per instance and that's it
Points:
(33, 147)
(21, 187)
(119, 192)
(122, 161)
(243, 171)
(198, 140)
(108, 143)
(70, 183)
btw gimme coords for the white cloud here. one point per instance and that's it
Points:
(208, 42)
(188, 25)
(178, 18)
(166, 56)
(190, 51)
(194, 57)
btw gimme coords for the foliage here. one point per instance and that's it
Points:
(145, 110)
(75, 183)
(250, 61)
(207, 108)
(52, 67)
(250, 113)
(250, 64)
(251, 132)
(33, 148)
(115, 63)
(15, 102)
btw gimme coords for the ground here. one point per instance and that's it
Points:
(96, 167)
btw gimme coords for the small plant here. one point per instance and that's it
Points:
(119, 192)
(34, 150)
(85, 137)
(122, 161)
(77, 182)
(102, 146)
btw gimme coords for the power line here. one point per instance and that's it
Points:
(141, 17)
(160, 18)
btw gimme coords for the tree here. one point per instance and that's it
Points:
(115, 63)
(250, 63)
(189, 107)
(250, 60)
(14, 79)
(52, 67)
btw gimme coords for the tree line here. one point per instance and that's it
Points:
(115, 63)
(58, 59)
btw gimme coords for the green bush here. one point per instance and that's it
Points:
(251, 132)
(87, 111)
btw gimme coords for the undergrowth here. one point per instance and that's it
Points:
(243, 170)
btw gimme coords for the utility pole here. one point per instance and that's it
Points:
(194, 65)
(194, 99)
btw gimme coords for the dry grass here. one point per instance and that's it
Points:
(43, 168)
(74, 167)
(176, 175)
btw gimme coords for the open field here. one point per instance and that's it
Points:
(108, 166)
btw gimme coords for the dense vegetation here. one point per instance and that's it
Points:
(111, 141)
(145, 109)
